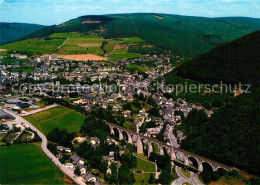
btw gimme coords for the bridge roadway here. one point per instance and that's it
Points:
(189, 154)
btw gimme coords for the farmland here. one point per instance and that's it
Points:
(35, 45)
(72, 43)
(83, 44)
(58, 117)
(27, 164)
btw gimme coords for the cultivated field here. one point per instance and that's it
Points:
(58, 117)
(82, 57)
(27, 164)
(83, 44)
(35, 45)
(73, 43)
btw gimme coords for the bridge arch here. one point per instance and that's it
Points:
(194, 162)
(127, 136)
(207, 167)
(114, 132)
(176, 153)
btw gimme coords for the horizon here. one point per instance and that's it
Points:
(134, 13)
(46, 12)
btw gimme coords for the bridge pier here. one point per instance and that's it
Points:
(120, 135)
(139, 145)
(130, 138)
(150, 148)
(112, 132)
(200, 167)
(186, 161)
(161, 152)
(173, 156)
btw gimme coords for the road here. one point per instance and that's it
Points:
(172, 138)
(39, 110)
(63, 43)
(182, 178)
(44, 147)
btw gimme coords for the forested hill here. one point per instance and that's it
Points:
(184, 35)
(237, 61)
(10, 32)
(232, 134)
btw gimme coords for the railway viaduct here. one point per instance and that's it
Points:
(174, 153)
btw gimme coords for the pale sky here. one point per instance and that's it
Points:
(48, 12)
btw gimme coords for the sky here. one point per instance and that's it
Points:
(49, 12)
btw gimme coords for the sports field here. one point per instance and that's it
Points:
(27, 164)
(58, 117)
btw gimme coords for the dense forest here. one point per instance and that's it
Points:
(237, 61)
(230, 136)
(13, 31)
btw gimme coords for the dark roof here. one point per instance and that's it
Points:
(75, 158)
(23, 105)
(4, 115)
(87, 176)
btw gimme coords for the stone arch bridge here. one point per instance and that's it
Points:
(174, 153)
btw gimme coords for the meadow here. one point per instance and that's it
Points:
(76, 43)
(134, 67)
(35, 45)
(83, 44)
(122, 56)
(58, 117)
(144, 165)
(1, 137)
(27, 164)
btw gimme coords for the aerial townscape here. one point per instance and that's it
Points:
(133, 98)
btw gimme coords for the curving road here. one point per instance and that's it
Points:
(193, 179)
(44, 148)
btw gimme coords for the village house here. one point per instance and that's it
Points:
(63, 149)
(89, 177)
(76, 160)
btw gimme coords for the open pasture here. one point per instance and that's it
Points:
(58, 117)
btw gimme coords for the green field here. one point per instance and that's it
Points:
(35, 45)
(144, 166)
(122, 56)
(64, 35)
(27, 164)
(134, 67)
(132, 40)
(1, 137)
(58, 117)
(142, 179)
(75, 43)
(83, 44)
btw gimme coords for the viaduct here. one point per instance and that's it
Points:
(175, 153)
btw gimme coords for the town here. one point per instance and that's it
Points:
(128, 90)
